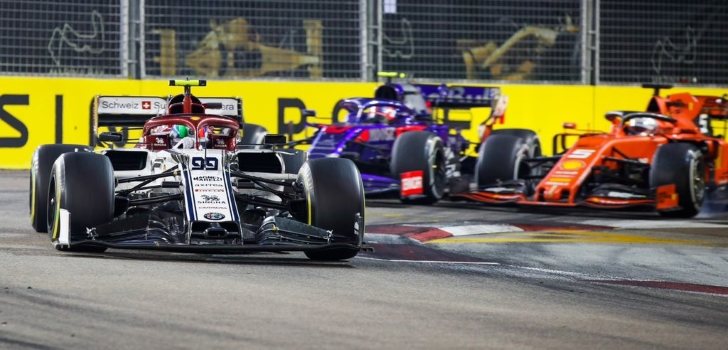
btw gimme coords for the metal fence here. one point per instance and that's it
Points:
(79, 37)
(250, 39)
(663, 41)
(484, 39)
(562, 41)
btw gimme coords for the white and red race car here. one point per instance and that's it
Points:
(189, 185)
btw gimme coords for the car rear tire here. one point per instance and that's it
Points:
(421, 151)
(681, 164)
(501, 159)
(335, 200)
(40, 175)
(83, 184)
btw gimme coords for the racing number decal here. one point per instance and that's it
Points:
(704, 123)
(581, 153)
(200, 163)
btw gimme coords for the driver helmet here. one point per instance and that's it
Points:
(641, 126)
(382, 114)
(389, 92)
(182, 137)
(180, 131)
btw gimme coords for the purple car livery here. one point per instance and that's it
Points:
(401, 147)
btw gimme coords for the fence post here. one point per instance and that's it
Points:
(365, 60)
(596, 43)
(371, 38)
(131, 37)
(142, 40)
(590, 46)
(380, 35)
(125, 47)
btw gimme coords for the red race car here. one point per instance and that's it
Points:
(667, 157)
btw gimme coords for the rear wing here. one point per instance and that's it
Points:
(656, 87)
(459, 96)
(715, 107)
(134, 111)
(452, 96)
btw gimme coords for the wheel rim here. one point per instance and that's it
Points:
(519, 171)
(51, 209)
(438, 171)
(697, 180)
(30, 196)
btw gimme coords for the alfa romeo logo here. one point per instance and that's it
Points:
(214, 216)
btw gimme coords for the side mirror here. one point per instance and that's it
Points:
(275, 139)
(110, 137)
(308, 113)
(611, 116)
(499, 107)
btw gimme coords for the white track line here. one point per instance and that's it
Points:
(466, 230)
(652, 224)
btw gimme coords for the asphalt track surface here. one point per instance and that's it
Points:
(453, 276)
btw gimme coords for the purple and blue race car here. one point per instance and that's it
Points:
(401, 147)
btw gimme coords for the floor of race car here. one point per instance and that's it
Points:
(456, 275)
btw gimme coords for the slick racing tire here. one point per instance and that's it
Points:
(83, 184)
(681, 164)
(501, 159)
(335, 201)
(421, 151)
(253, 134)
(531, 138)
(40, 176)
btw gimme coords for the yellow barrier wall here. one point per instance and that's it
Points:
(32, 108)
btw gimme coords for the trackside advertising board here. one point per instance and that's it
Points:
(36, 111)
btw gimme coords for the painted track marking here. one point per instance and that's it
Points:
(567, 236)
(652, 224)
(467, 230)
(670, 285)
